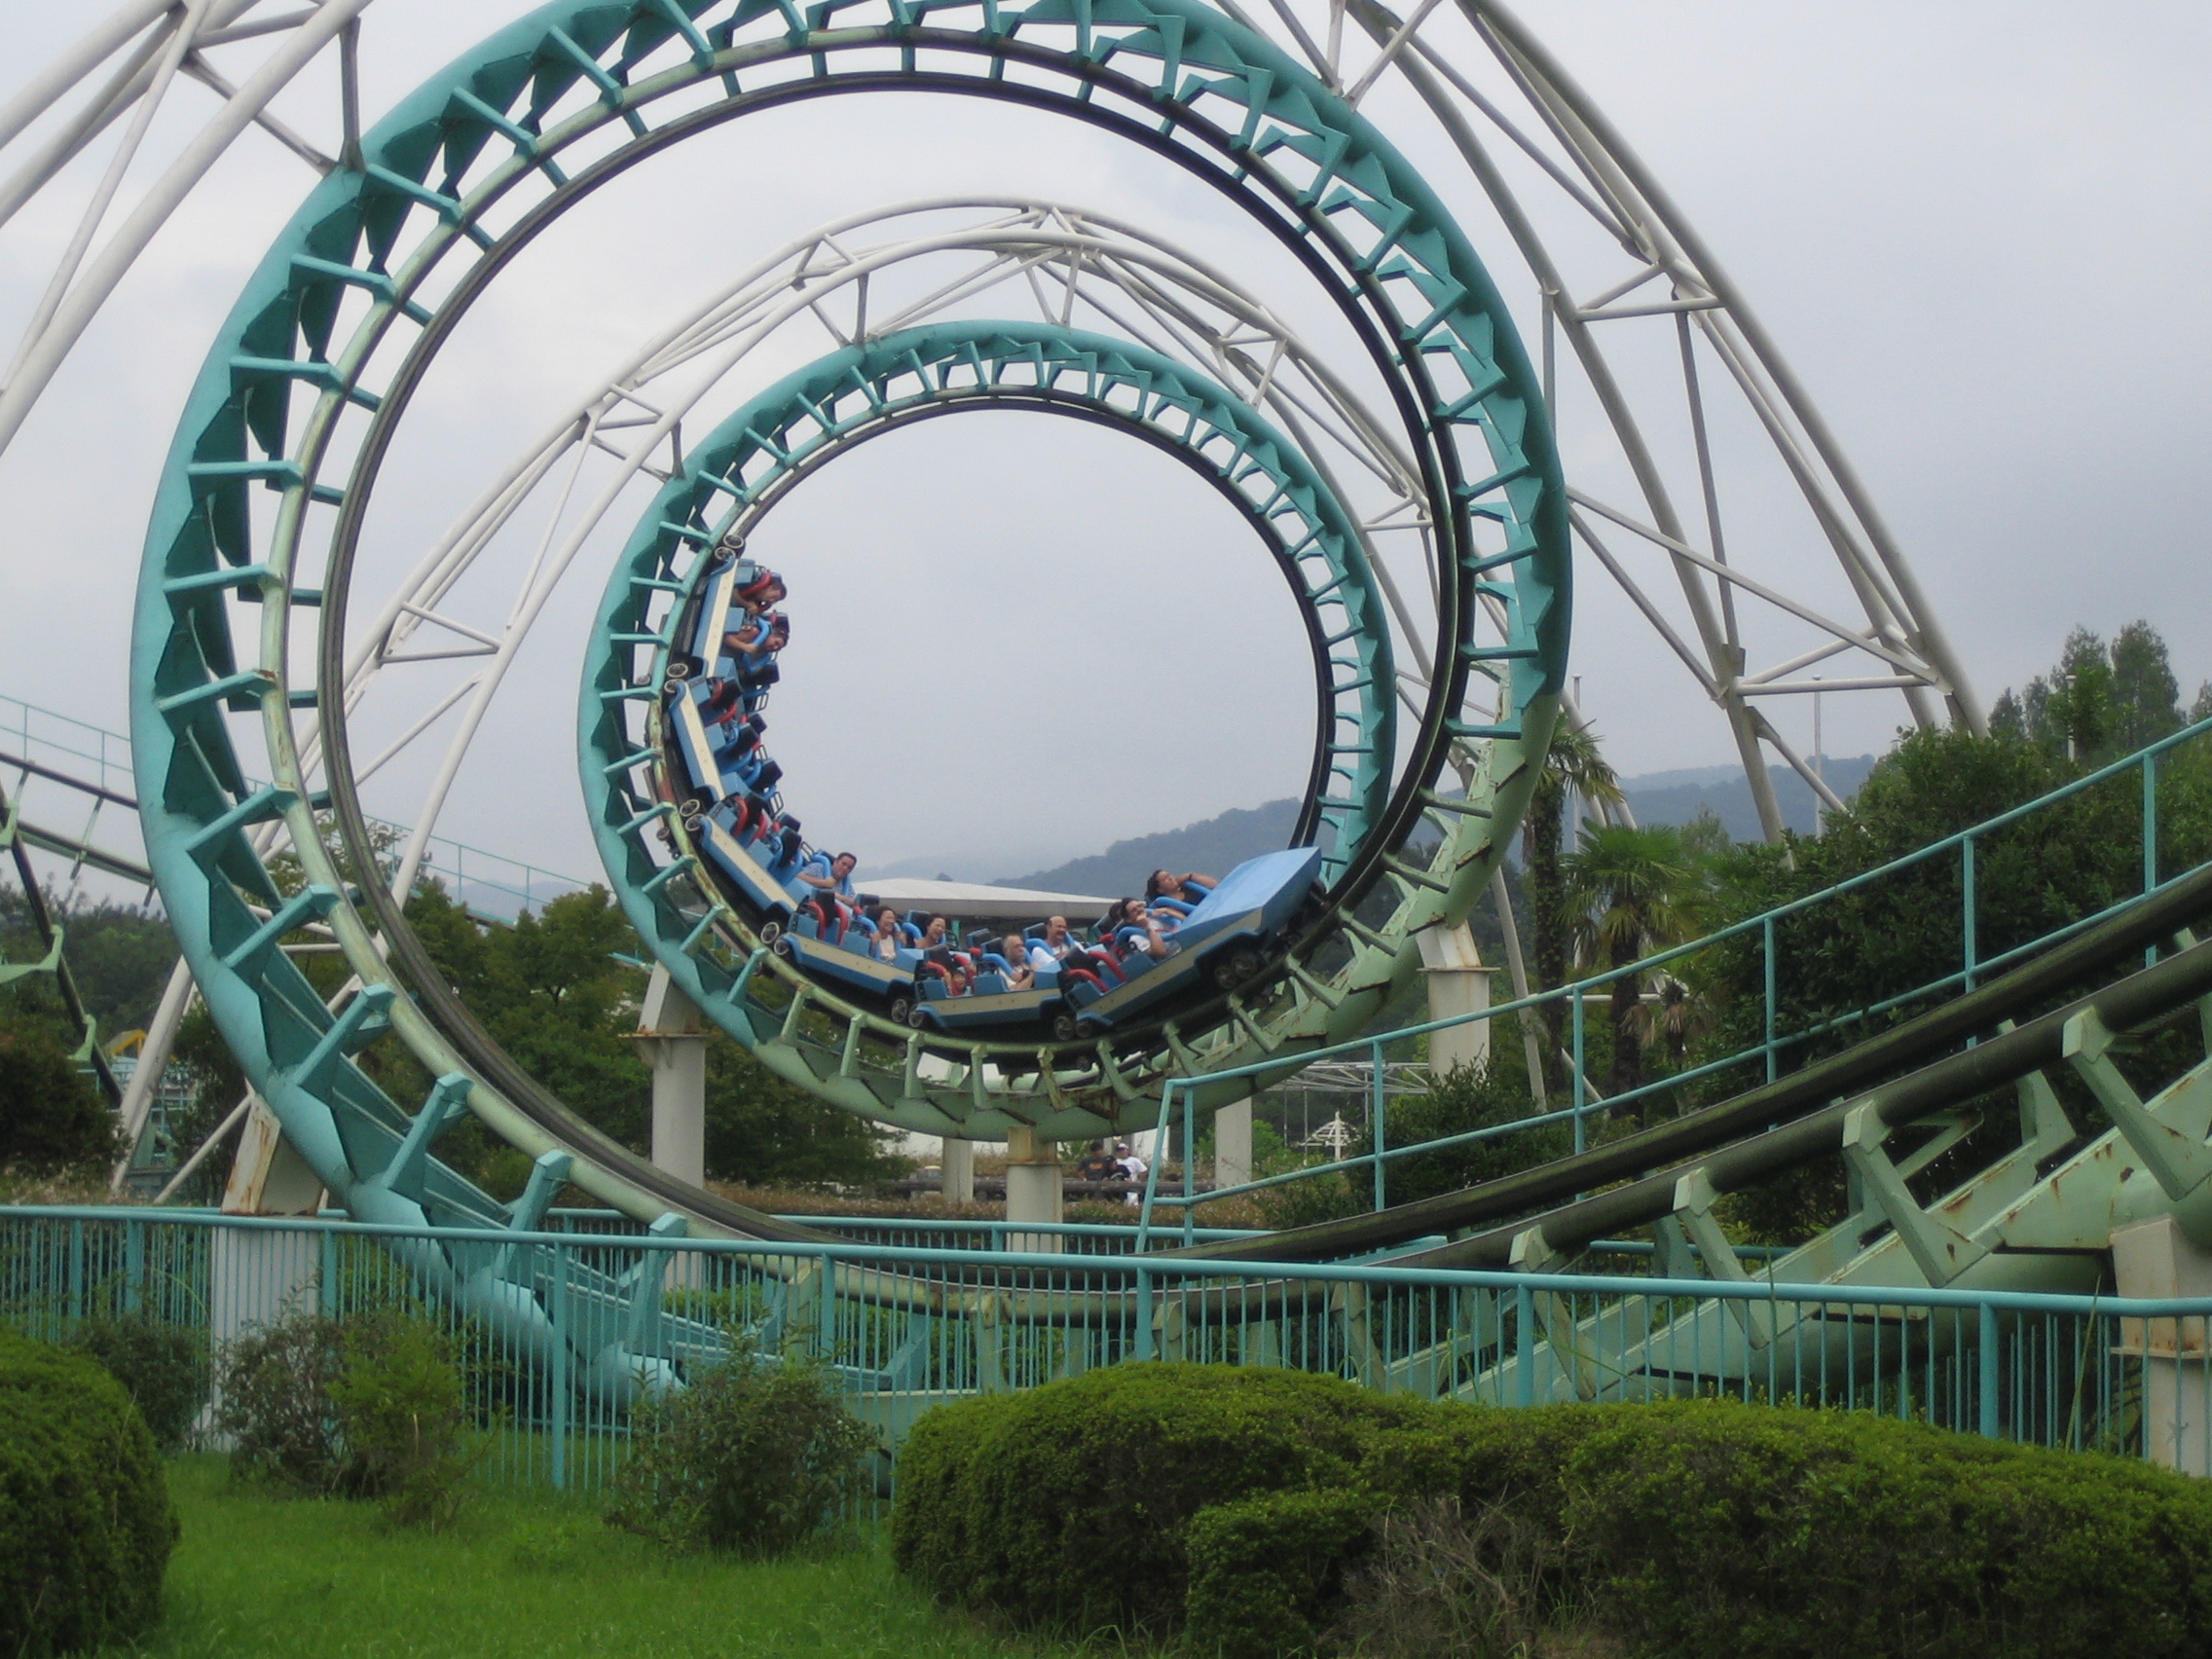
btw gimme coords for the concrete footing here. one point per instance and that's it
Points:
(2156, 1261)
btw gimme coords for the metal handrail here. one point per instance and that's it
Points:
(1973, 968)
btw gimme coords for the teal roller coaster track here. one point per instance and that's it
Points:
(253, 649)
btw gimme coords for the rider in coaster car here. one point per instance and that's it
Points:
(1084, 962)
(1164, 890)
(887, 935)
(1013, 949)
(755, 644)
(831, 881)
(1137, 931)
(939, 957)
(758, 589)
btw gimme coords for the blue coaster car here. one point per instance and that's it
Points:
(1220, 945)
(775, 897)
(987, 1004)
(711, 620)
(851, 964)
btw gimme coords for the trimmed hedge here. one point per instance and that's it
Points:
(1065, 1506)
(86, 1527)
(1267, 1573)
(1736, 1531)
(1233, 1501)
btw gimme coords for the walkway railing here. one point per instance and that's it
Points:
(912, 1327)
(94, 762)
(1973, 968)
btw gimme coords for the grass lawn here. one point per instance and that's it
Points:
(526, 1575)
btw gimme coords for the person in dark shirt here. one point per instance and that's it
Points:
(1097, 1166)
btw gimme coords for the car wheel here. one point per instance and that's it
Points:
(917, 1019)
(1235, 968)
(1063, 1028)
(901, 1008)
(770, 932)
(782, 946)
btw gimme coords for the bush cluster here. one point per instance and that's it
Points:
(1272, 1514)
(756, 1457)
(162, 1368)
(369, 1406)
(86, 1527)
(1069, 1506)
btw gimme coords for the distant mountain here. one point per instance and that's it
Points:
(1218, 844)
(1212, 846)
(1676, 798)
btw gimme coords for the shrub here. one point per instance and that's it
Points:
(403, 1420)
(758, 1455)
(86, 1527)
(163, 1369)
(370, 1406)
(1734, 1529)
(274, 1403)
(1277, 1513)
(1265, 1573)
(1066, 1506)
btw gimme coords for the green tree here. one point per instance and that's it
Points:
(2099, 702)
(1477, 1095)
(555, 992)
(1572, 764)
(1628, 891)
(52, 1116)
(1904, 934)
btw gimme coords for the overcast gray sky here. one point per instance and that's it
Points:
(1975, 228)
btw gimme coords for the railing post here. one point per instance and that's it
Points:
(1378, 1116)
(1989, 1356)
(2150, 840)
(1525, 1342)
(1968, 918)
(1190, 1171)
(1581, 1086)
(133, 1265)
(562, 1404)
(1766, 945)
(1144, 1310)
(1152, 1166)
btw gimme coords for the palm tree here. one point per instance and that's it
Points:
(1572, 764)
(1627, 892)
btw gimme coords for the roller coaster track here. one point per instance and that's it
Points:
(1431, 714)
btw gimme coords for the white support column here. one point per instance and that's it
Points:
(1458, 983)
(1032, 1188)
(2154, 1261)
(672, 1035)
(956, 1165)
(1233, 1144)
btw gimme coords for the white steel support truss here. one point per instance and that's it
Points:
(1744, 621)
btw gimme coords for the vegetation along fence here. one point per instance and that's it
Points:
(595, 1319)
(1767, 936)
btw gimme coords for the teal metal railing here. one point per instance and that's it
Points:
(1774, 1043)
(910, 1327)
(492, 884)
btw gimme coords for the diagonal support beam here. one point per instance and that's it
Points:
(1940, 1252)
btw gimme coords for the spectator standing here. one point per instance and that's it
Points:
(1133, 1170)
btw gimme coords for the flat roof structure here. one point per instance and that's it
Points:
(978, 902)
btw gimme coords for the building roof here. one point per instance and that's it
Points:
(978, 902)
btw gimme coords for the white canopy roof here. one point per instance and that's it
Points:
(977, 902)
